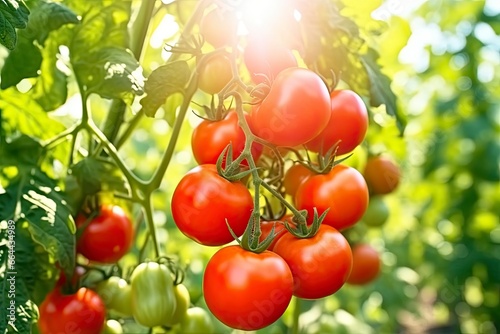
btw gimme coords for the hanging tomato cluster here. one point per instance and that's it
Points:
(271, 176)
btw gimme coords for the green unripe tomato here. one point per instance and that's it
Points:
(377, 212)
(112, 327)
(197, 320)
(153, 299)
(116, 294)
(182, 300)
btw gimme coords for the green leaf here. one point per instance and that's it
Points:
(163, 82)
(33, 198)
(380, 88)
(13, 14)
(25, 60)
(94, 175)
(21, 114)
(22, 150)
(111, 72)
(50, 89)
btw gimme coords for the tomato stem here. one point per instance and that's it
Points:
(296, 316)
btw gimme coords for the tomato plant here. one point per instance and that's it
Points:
(266, 226)
(215, 74)
(116, 294)
(218, 27)
(196, 321)
(320, 264)
(382, 175)
(347, 125)
(284, 116)
(107, 237)
(204, 201)
(246, 290)
(342, 191)
(210, 138)
(82, 312)
(153, 296)
(182, 301)
(365, 265)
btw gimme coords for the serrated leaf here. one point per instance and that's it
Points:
(32, 200)
(23, 62)
(92, 174)
(50, 89)
(163, 82)
(111, 72)
(13, 14)
(380, 88)
(22, 114)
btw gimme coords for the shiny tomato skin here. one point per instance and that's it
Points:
(107, 237)
(294, 177)
(246, 290)
(343, 190)
(215, 74)
(295, 111)
(320, 265)
(203, 200)
(348, 124)
(218, 27)
(366, 265)
(265, 57)
(210, 138)
(382, 175)
(82, 312)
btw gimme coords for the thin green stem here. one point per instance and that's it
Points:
(148, 211)
(296, 316)
(130, 128)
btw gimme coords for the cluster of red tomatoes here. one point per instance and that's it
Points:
(247, 289)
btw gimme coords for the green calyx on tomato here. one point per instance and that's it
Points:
(246, 290)
(204, 201)
(320, 264)
(153, 297)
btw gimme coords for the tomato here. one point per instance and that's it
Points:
(182, 301)
(348, 124)
(107, 237)
(116, 294)
(343, 190)
(82, 312)
(246, 290)
(218, 27)
(196, 321)
(382, 175)
(320, 265)
(112, 327)
(210, 138)
(215, 75)
(203, 201)
(153, 298)
(377, 212)
(280, 230)
(294, 177)
(266, 58)
(295, 111)
(365, 265)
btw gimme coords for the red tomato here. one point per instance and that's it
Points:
(382, 175)
(245, 290)
(82, 312)
(294, 177)
(210, 138)
(218, 27)
(203, 201)
(280, 230)
(365, 265)
(320, 265)
(266, 58)
(348, 124)
(343, 191)
(215, 75)
(295, 111)
(107, 237)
